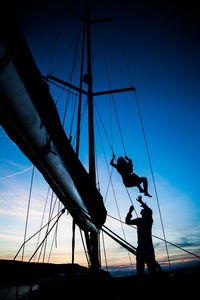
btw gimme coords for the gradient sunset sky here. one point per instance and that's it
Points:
(160, 41)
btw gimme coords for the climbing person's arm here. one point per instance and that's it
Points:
(112, 162)
(128, 159)
(130, 163)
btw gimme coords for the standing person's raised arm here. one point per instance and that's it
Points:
(128, 219)
(144, 205)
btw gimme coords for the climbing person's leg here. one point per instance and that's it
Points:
(135, 180)
(145, 185)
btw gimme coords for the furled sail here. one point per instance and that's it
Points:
(30, 118)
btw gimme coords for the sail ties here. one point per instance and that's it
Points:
(47, 148)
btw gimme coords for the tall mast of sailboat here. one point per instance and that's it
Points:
(92, 238)
(90, 97)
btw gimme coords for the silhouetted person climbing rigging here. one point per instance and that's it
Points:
(145, 251)
(130, 179)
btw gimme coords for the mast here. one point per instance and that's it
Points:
(92, 239)
(90, 97)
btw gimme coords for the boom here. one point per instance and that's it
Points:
(29, 117)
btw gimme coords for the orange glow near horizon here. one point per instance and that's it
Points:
(116, 265)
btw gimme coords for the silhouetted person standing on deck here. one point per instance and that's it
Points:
(130, 179)
(145, 250)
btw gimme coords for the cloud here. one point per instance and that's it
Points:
(188, 242)
(185, 242)
(15, 237)
(14, 204)
(19, 212)
(156, 245)
(13, 163)
(16, 211)
(16, 174)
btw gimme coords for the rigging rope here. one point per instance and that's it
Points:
(71, 127)
(115, 109)
(159, 238)
(153, 178)
(50, 216)
(84, 247)
(110, 174)
(35, 235)
(82, 119)
(106, 194)
(104, 250)
(115, 61)
(106, 134)
(131, 201)
(54, 237)
(73, 239)
(41, 224)
(120, 241)
(69, 46)
(115, 198)
(120, 130)
(125, 150)
(72, 72)
(50, 209)
(72, 116)
(80, 93)
(28, 209)
(112, 96)
(62, 212)
(119, 237)
(145, 139)
(55, 45)
(111, 121)
(130, 81)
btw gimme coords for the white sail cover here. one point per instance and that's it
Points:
(29, 117)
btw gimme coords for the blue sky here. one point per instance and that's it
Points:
(162, 46)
